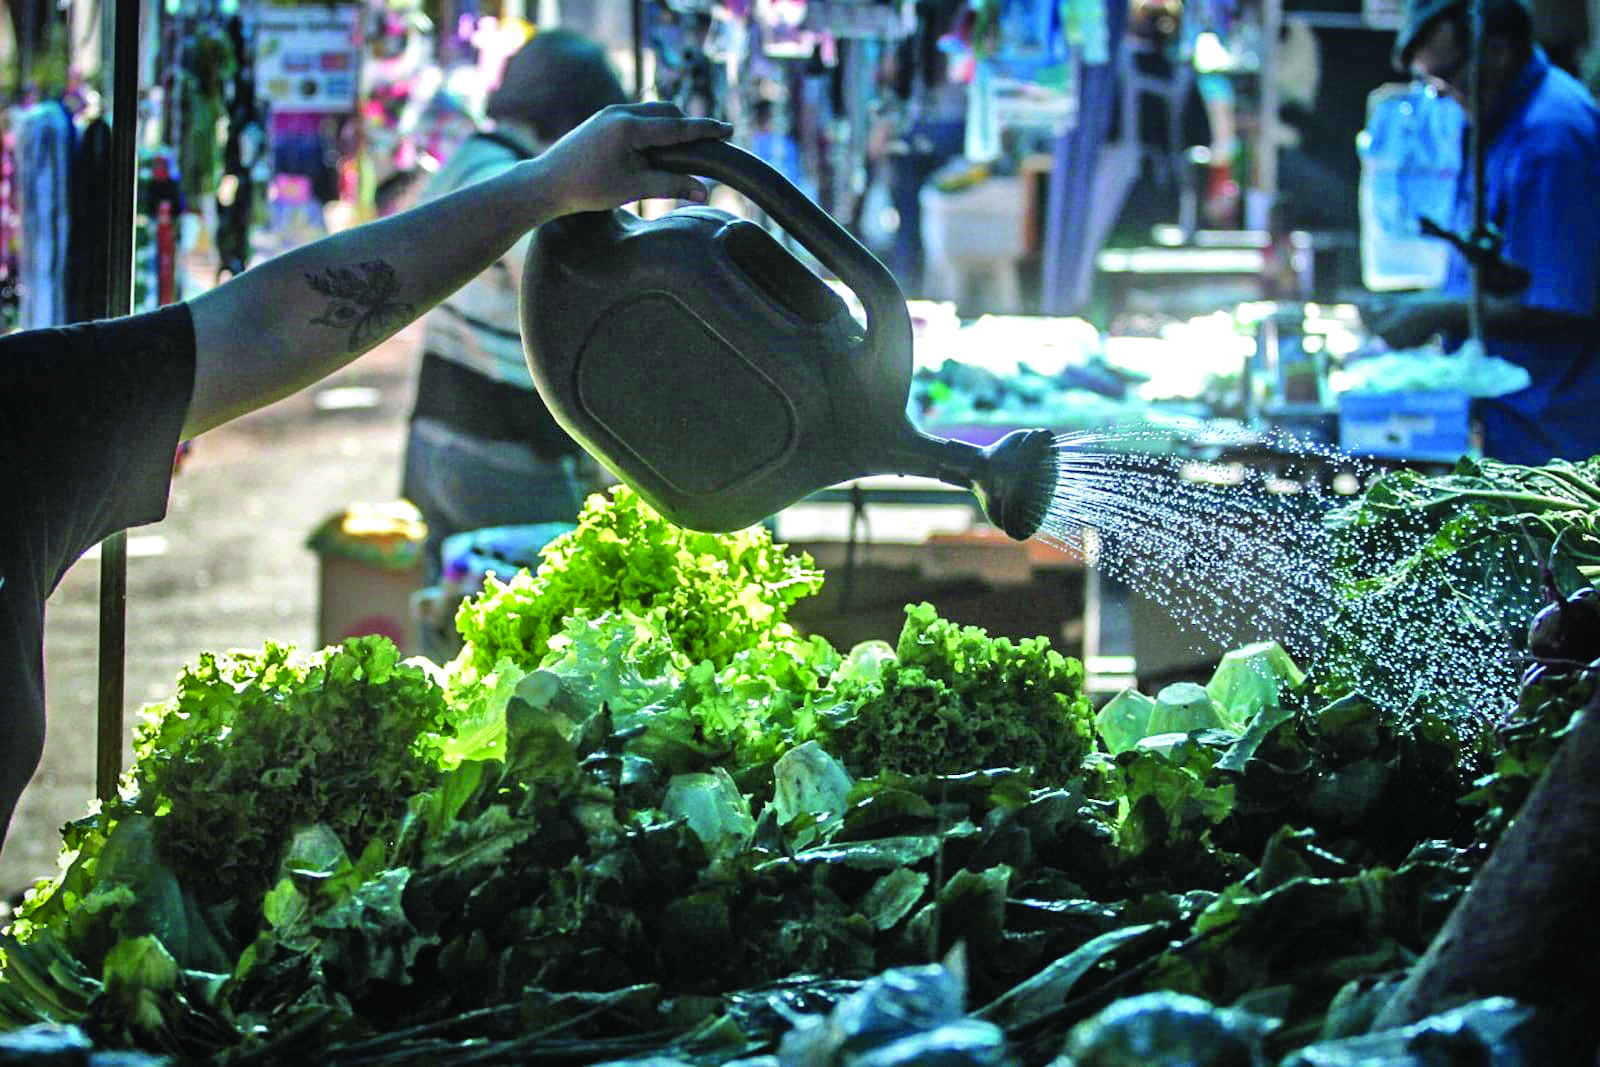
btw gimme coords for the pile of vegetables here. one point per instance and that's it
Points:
(1439, 575)
(640, 815)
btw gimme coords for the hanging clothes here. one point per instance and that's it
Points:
(1085, 26)
(1074, 231)
(239, 192)
(45, 164)
(10, 222)
(209, 64)
(982, 143)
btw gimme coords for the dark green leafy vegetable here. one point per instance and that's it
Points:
(1527, 738)
(1168, 1028)
(1439, 575)
(1173, 803)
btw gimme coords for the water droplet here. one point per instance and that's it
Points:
(1243, 554)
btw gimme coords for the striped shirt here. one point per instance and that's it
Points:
(477, 326)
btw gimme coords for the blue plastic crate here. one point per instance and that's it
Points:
(1434, 426)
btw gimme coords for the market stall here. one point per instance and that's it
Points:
(1281, 396)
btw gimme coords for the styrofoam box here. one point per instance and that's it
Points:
(1426, 426)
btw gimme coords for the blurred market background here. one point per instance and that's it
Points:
(1158, 214)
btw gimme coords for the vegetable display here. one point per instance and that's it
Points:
(1442, 572)
(640, 815)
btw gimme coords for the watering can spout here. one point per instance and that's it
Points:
(1014, 478)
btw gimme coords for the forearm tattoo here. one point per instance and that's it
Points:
(361, 299)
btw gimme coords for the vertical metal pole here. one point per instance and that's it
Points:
(124, 80)
(638, 49)
(1477, 144)
(27, 61)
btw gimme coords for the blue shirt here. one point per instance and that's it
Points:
(1542, 190)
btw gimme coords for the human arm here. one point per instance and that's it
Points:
(476, 159)
(1409, 319)
(1550, 219)
(294, 319)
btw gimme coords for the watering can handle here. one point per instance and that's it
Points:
(814, 228)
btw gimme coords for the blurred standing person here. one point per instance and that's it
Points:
(482, 449)
(930, 130)
(1541, 136)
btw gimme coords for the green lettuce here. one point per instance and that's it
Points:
(686, 715)
(1124, 720)
(716, 594)
(1253, 678)
(1171, 806)
(642, 816)
(254, 747)
(952, 699)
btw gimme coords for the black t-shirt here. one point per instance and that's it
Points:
(90, 417)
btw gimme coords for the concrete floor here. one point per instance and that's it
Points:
(227, 568)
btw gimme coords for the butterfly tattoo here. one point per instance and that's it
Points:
(361, 300)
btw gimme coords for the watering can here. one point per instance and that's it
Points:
(715, 374)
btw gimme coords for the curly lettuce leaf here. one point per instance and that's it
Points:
(256, 746)
(953, 699)
(477, 713)
(686, 714)
(717, 594)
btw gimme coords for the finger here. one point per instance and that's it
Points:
(651, 133)
(663, 185)
(653, 108)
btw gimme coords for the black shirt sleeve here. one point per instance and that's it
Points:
(91, 414)
(90, 417)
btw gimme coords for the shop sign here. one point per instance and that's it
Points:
(309, 58)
